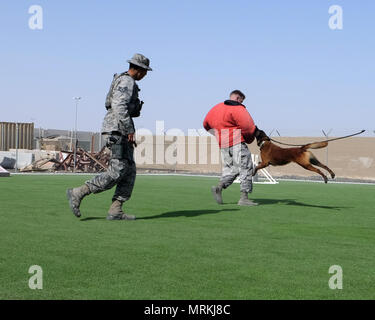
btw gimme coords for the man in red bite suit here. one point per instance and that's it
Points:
(233, 128)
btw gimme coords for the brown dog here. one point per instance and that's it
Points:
(272, 154)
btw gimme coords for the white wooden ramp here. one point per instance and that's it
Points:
(269, 179)
(3, 172)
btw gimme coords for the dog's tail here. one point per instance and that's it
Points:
(315, 145)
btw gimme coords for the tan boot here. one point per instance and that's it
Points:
(245, 201)
(75, 197)
(115, 212)
(217, 193)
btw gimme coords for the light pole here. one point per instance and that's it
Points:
(17, 141)
(33, 120)
(71, 140)
(75, 129)
(36, 122)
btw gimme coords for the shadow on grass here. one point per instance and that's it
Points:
(93, 218)
(185, 213)
(171, 214)
(291, 202)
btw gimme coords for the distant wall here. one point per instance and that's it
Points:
(8, 159)
(9, 132)
(352, 158)
(86, 140)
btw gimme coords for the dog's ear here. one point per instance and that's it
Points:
(256, 132)
(259, 133)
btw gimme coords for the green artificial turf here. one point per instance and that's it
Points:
(185, 246)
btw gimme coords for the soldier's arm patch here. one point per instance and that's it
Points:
(122, 89)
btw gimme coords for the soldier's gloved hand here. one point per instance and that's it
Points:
(131, 139)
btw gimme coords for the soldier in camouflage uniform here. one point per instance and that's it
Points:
(122, 104)
(233, 128)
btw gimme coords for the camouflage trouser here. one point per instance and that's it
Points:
(121, 170)
(237, 161)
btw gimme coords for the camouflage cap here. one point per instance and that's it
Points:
(141, 61)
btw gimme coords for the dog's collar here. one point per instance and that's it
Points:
(262, 144)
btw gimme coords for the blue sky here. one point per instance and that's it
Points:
(299, 76)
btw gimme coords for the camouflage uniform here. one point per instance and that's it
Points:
(122, 104)
(237, 161)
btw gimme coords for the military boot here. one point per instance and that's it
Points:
(216, 192)
(115, 212)
(245, 201)
(75, 197)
